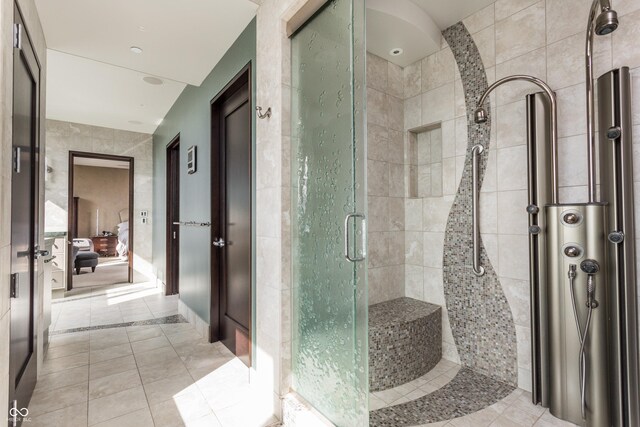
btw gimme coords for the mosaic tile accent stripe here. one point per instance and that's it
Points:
(479, 313)
(176, 318)
(405, 341)
(466, 393)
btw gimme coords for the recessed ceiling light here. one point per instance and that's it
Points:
(135, 122)
(152, 80)
(142, 28)
(396, 51)
(136, 49)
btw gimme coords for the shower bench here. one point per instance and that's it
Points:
(405, 341)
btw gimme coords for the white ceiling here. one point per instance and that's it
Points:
(413, 25)
(94, 78)
(446, 13)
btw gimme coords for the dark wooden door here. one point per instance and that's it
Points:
(173, 216)
(232, 217)
(24, 228)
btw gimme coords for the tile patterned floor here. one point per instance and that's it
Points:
(515, 410)
(152, 375)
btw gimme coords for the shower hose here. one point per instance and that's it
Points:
(582, 336)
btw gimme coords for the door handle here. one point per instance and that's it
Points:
(41, 253)
(219, 243)
(13, 289)
(174, 235)
(347, 243)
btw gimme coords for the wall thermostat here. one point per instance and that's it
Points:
(191, 160)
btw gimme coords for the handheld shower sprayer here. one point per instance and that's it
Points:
(591, 267)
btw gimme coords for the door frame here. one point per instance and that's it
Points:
(87, 155)
(172, 254)
(218, 200)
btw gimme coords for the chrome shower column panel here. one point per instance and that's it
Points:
(616, 189)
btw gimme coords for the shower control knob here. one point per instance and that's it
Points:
(614, 132)
(532, 209)
(535, 229)
(616, 237)
(571, 218)
(572, 251)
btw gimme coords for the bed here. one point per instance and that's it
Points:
(123, 235)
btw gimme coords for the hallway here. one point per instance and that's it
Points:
(122, 356)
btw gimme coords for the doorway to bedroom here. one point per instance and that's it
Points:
(100, 220)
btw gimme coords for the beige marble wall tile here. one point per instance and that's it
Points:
(396, 214)
(513, 216)
(433, 249)
(624, 7)
(377, 142)
(378, 176)
(520, 33)
(506, 8)
(514, 256)
(396, 146)
(511, 124)
(512, 168)
(566, 18)
(377, 72)
(378, 213)
(413, 112)
(489, 213)
(438, 104)
(395, 113)
(480, 20)
(413, 287)
(572, 111)
(413, 247)
(572, 155)
(533, 63)
(626, 51)
(518, 294)
(413, 214)
(437, 69)
(412, 76)
(433, 286)
(486, 42)
(395, 80)
(565, 60)
(377, 107)
(378, 248)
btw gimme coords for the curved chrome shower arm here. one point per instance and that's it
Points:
(591, 138)
(554, 121)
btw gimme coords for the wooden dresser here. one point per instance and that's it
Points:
(105, 245)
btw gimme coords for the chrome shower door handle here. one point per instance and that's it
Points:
(478, 270)
(347, 243)
(219, 243)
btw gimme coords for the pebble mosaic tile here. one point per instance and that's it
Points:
(405, 341)
(479, 314)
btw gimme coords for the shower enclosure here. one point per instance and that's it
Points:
(329, 319)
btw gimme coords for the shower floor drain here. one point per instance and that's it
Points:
(466, 393)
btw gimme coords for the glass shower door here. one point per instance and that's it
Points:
(329, 296)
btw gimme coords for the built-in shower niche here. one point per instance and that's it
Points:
(425, 162)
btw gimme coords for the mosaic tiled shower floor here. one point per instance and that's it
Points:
(466, 393)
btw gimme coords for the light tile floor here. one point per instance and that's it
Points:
(515, 410)
(158, 375)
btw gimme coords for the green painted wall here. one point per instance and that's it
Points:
(190, 117)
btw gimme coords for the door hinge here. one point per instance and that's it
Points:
(17, 36)
(13, 289)
(17, 151)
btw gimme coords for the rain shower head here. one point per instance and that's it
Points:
(480, 115)
(607, 22)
